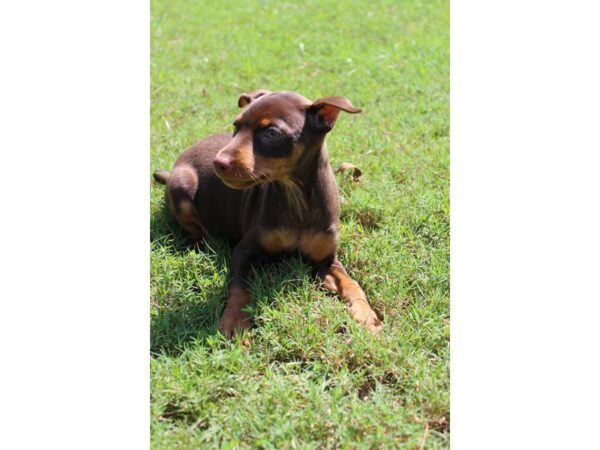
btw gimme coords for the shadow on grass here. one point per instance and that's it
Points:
(193, 316)
(180, 318)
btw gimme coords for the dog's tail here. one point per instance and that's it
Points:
(162, 176)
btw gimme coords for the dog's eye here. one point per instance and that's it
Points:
(273, 134)
(236, 128)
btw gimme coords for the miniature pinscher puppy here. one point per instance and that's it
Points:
(270, 188)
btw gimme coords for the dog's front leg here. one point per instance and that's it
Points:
(233, 318)
(336, 279)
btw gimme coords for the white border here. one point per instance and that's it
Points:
(525, 146)
(75, 144)
(74, 90)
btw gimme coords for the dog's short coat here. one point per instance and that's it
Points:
(270, 188)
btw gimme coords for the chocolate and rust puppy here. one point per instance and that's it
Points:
(270, 188)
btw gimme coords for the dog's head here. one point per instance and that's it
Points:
(272, 133)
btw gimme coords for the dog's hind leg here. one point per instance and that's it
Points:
(162, 176)
(181, 190)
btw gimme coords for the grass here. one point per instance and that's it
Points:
(306, 376)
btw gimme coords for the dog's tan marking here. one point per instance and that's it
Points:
(186, 208)
(337, 280)
(187, 213)
(238, 298)
(245, 158)
(181, 188)
(329, 283)
(317, 245)
(348, 289)
(233, 318)
(188, 219)
(264, 123)
(275, 166)
(274, 241)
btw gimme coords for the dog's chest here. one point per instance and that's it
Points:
(316, 244)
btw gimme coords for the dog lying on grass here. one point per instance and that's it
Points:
(268, 187)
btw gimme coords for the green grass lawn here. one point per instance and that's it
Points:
(307, 376)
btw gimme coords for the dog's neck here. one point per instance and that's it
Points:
(313, 160)
(300, 189)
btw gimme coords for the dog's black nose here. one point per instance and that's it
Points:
(222, 163)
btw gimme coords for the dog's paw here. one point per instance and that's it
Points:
(362, 313)
(234, 322)
(373, 323)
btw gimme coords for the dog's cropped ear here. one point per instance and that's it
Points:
(327, 110)
(246, 99)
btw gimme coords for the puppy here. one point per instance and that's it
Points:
(268, 187)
